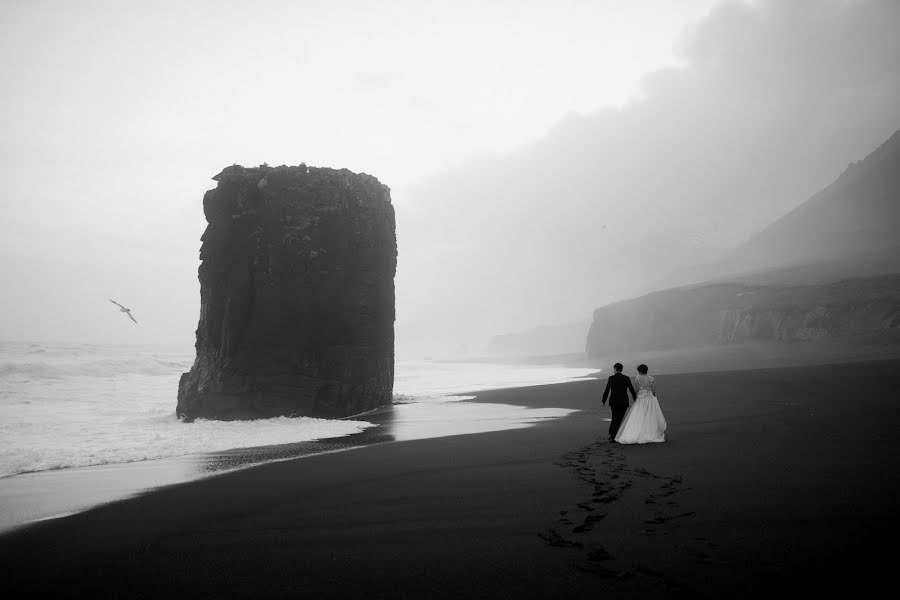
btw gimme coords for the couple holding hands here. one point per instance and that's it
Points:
(643, 421)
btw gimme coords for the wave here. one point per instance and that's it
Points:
(151, 437)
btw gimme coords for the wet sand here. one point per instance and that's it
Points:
(52, 494)
(772, 482)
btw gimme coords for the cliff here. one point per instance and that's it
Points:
(855, 217)
(296, 296)
(722, 313)
(848, 229)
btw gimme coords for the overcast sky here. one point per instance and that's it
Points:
(506, 130)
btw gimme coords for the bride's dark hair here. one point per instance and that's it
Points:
(642, 369)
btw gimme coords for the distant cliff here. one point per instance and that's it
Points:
(856, 217)
(296, 296)
(851, 228)
(721, 313)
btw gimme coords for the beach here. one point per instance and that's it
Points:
(772, 482)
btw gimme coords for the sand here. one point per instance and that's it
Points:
(772, 482)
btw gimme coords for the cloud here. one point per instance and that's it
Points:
(772, 100)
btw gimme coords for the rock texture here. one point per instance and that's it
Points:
(723, 313)
(296, 296)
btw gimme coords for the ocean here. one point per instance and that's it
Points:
(66, 406)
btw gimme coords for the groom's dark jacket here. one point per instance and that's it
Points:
(617, 388)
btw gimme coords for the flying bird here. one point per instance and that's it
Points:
(127, 311)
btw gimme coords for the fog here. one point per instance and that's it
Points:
(544, 158)
(770, 103)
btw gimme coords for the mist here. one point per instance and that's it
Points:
(769, 103)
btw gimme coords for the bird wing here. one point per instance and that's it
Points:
(130, 317)
(116, 303)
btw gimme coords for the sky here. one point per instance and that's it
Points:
(510, 133)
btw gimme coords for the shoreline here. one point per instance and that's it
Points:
(767, 480)
(146, 476)
(34, 496)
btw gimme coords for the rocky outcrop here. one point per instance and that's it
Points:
(856, 216)
(296, 296)
(724, 313)
(848, 229)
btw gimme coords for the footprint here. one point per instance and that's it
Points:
(605, 498)
(599, 554)
(552, 537)
(588, 523)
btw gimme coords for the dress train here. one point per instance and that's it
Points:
(644, 422)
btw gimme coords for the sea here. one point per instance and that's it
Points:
(68, 409)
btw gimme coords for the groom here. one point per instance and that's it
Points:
(617, 388)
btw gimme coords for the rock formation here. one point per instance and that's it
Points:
(848, 229)
(722, 313)
(296, 296)
(851, 223)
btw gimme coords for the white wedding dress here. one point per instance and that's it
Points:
(644, 421)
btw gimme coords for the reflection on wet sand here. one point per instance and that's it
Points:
(398, 422)
(43, 495)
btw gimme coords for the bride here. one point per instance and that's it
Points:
(644, 421)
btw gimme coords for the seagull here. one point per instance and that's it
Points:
(127, 311)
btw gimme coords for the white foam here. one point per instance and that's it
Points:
(116, 405)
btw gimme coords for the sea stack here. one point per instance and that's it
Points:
(296, 296)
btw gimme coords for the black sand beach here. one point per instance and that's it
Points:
(773, 482)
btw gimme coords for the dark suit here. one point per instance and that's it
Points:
(617, 388)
